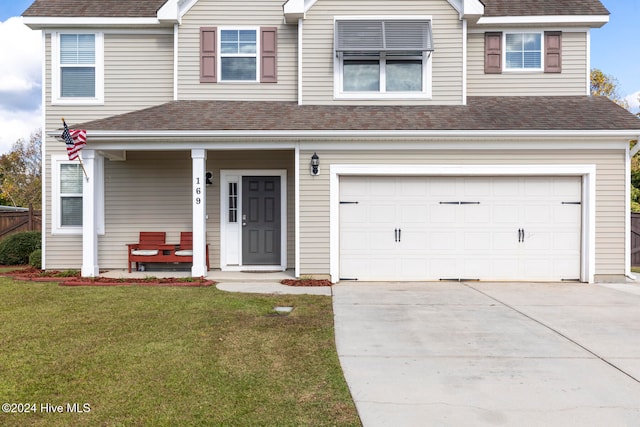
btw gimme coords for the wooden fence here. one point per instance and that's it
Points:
(635, 238)
(16, 221)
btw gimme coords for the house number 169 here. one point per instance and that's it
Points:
(198, 192)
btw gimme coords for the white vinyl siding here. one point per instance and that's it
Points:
(160, 200)
(230, 14)
(318, 50)
(610, 197)
(571, 81)
(138, 74)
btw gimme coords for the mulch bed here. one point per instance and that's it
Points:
(306, 282)
(74, 279)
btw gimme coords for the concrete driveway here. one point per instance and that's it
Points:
(490, 354)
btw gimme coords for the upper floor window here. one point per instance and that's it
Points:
(238, 55)
(535, 51)
(383, 58)
(77, 72)
(523, 51)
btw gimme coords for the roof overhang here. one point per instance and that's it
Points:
(169, 14)
(468, 9)
(39, 23)
(130, 136)
(593, 21)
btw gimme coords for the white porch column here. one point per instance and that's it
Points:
(199, 196)
(89, 215)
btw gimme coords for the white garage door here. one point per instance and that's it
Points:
(460, 228)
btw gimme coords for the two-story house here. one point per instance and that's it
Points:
(349, 139)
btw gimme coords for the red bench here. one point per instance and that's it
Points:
(152, 247)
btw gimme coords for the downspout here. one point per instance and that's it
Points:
(297, 210)
(300, 25)
(464, 62)
(627, 259)
(43, 148)
(588, 76)
(175, 61)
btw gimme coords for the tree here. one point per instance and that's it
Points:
(606, 85)
(21, 173)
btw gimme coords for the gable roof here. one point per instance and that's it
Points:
(543, 7)
(95, 8)
(149, 8)
(577, 113)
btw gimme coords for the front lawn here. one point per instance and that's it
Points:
(167, 356)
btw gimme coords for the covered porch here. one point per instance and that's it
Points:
(237, 199)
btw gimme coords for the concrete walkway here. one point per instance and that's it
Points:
(487, 354)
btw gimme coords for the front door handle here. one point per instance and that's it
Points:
(244, 220)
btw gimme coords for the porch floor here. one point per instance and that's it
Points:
(235, 281)
(215, 275)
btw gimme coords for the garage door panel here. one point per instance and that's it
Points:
(442, 187)
(518, 230)
(507, 214)
(478, 241)
(414, 214)
(379, 213)
(505, 189)
(476, 214)
(413, 240)
(565, 241)
(442, 214)
(442, 240)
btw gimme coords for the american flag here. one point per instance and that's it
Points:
(76, 139)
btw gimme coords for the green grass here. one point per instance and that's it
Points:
(158, 356)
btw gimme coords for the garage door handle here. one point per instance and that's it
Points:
(399, 234)
(395, 231)
(520, 235)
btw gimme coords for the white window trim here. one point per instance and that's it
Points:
(522, 70)
(221, 55)
(56, 220)
(56, 98)
(427, 68)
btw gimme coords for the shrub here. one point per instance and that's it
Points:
(35, 259)
(15, 249)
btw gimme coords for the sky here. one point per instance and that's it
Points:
(614, 50)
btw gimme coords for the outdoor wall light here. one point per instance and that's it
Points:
(315, 165)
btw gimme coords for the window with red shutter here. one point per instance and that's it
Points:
(208, 50)
(268, 55)
(493, 53)
(553, 52)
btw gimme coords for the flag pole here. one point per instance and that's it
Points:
(80, 160)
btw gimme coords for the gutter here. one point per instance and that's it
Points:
(142, 135)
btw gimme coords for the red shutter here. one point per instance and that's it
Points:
(493, 53)
(208, 64)
(553, 52)
(268, 55)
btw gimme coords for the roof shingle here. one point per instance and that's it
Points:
(481, 113)
(95, 8)
(148, 8)
(543, 7)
